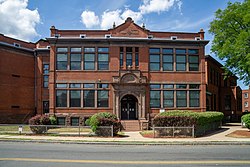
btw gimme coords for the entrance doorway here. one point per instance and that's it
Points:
(129, 107)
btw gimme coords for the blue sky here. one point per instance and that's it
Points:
(31, 19)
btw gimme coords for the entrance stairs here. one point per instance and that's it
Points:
(131, 125)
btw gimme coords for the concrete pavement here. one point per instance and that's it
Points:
(218, 137)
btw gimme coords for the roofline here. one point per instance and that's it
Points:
(12, 46)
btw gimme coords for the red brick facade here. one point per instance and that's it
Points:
(128, 70)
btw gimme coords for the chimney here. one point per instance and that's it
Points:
(201, 34)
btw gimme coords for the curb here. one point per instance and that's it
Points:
(131, 142)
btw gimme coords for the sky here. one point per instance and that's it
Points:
(30, 20)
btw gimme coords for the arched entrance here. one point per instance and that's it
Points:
(129, 107)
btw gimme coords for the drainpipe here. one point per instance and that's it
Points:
(35, 87)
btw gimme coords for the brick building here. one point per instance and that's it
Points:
(128, 70)
(246, 100)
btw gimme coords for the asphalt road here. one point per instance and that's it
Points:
(71, 155)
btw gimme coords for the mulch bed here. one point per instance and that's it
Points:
(240, 134)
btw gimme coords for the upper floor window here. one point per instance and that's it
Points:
(246, 104)
(167, 59)
(121, 56)
(129, 60)
(193, 59)
(136, 56)
(45, 75)
(180, 60)
(245, 95)
(61, 61)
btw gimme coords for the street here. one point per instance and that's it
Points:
(13, 154)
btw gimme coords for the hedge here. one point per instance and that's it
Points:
(41, 120)
(246, 120)
(202, 121)
(104, 119)
(201, 118)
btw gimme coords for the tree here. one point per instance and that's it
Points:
(231, 43)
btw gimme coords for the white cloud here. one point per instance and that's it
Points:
(17, 20)
(89, 19)
(109, 17)
(158, 6)
(136, 16)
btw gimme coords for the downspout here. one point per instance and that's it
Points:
(35, 87)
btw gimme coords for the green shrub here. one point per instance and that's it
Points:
(246, 120)
(41, 120)
(53, 120)
(103, 119)
(166, 121)
(202, 118)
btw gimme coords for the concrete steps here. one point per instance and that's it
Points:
(131, 125)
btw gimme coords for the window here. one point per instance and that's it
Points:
(136, 56)
(102, 98)
(181, 98)
(89, 61)
(227, 102)
(180, 62)
(102, 86)
(121, 56)
(75, 98)
(45, 75)
(155, 98)
(246, 104)
(75, 61)
(89, 98)
(61, 61)
(194, 98)
(154, 59)
(129, 60)
(62, 49)
(61, 120)
(61, 98)
(61, 85)
(79, 50)
(245, 95)
(45, 107)
(181, 86)
(167, 59)
(103, 61)
(193, 61)
(168, 98)
(74, 121)
(168, 86)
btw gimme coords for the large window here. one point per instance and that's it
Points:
(89, 58)
(194, 98)
(103, 58)
(155, 96)
(45, 75)
(181, 98)
(75, 98)
(102, 98)
(168, 98)
(75, 61)
(129, 59)
(193, 59)
(167, 59)
(154, 59)
(121, 56)
(227, 101)
(136, 56)
(180, 59)
(61, 61)
(89, 95)
(61, 98)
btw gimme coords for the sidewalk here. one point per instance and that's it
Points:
(218, 137)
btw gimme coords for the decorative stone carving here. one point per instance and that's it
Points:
(129, 78)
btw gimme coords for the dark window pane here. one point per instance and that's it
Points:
(154, 50)
(62, 49)
(194, 98)
(128, 59)
(75, 98)
(167, 51)
(75, 49)
(45, 81)
(103, 61)
(121, 59)
(61, 98)
(193, 51)
(103, 85)
(89, 98)
(180, 51)
(102, 98)
(74, 121)
(88, 85)
(155, 99)
(168, 86)
(61, 85)
(128, 49)
(136, 59)
(180, 67)
(61, 120)
(74, 85)
(89, 50)
(194, 86)
(168, 98)
(155, 86)
(181, 86)
(75, 65)
(181, 98)
(103, 50)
